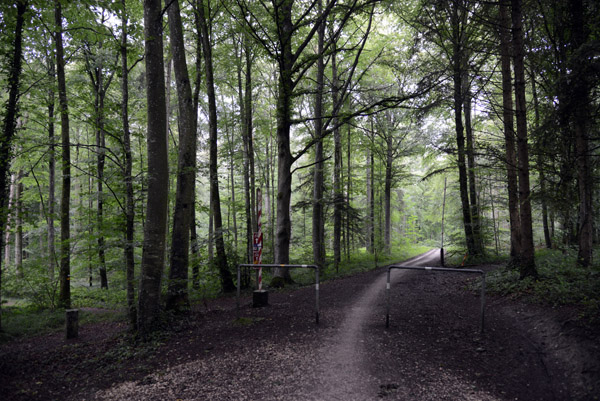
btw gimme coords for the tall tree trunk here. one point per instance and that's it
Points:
(389, 161)
(128, 248)
(318, 223)
(458, 73)
(509, 133)
(18, 212)
(581, 100)
(540, 166)
(284, 155)
(248, 209)
(155, 228)
(349, 234)
(9, 125)
(100, 161)
(527, 259)
(177, 295)
(64, 298)
(338, 195)
(477, 238)
(196, 100)
(195, 258)
(51, 174)
(248, 115)
(231, 210)
(371, 194)
(226, 278)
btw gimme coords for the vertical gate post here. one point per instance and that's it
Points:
(237, 294)
(317, 293)
(387, 300)
(482, 300)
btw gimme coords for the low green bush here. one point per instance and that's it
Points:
(560, 282)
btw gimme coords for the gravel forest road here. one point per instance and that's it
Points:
(342, 371)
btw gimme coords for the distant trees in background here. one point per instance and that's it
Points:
(347, 114)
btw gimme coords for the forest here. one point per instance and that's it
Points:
(144, 143)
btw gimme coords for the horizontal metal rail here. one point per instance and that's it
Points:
(438, 269)
(275, 266)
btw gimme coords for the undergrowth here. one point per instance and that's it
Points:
(360, 261)
(560, 282)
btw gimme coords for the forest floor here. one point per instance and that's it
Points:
(433, 349)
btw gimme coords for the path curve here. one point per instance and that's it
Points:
(342, 372)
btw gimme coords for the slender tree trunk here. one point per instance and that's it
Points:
(527, 260)
(509, 133)
(128, 248)
(8, 216)
(318, 223)
(100, 161)
(477, 238)
(18, 212)
(338, 195)
(51, 175)
(389, 165)
(581, 99)
(226, 279)
(155, 228)
(248, 115)
(195, 258)
(196, 99)
(64, 298)
(247, 195)
(177, 298)
(458, 76)
(232, 208)
(371, 195)
(349, 235)
(540, 166)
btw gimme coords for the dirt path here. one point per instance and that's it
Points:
(343, 371)
(432, 350)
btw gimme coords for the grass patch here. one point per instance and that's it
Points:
(360, 261)
(29, 321)
(560, 282)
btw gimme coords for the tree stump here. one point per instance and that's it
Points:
(260, 298)
(72, 323)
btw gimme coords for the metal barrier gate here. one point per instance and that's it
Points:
(439, 269)
(274, 266)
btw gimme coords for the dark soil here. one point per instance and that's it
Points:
(432, 350)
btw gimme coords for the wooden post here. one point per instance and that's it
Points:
(72, 323)
(443, 213)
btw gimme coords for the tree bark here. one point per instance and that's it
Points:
(477, 238)
(540, 166)
(458, 76)
(9, 125)
(509, 133)
(318, 223)
(581, 100)
(18, 212)
(338, 195)
(284, 155)
(64, 298)
(51, 174)
(155, 228)
(227, 284)
(387, 205)
(128, 248)
(371, 195)
(527, 259)
(97, 79)
(177, 295)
